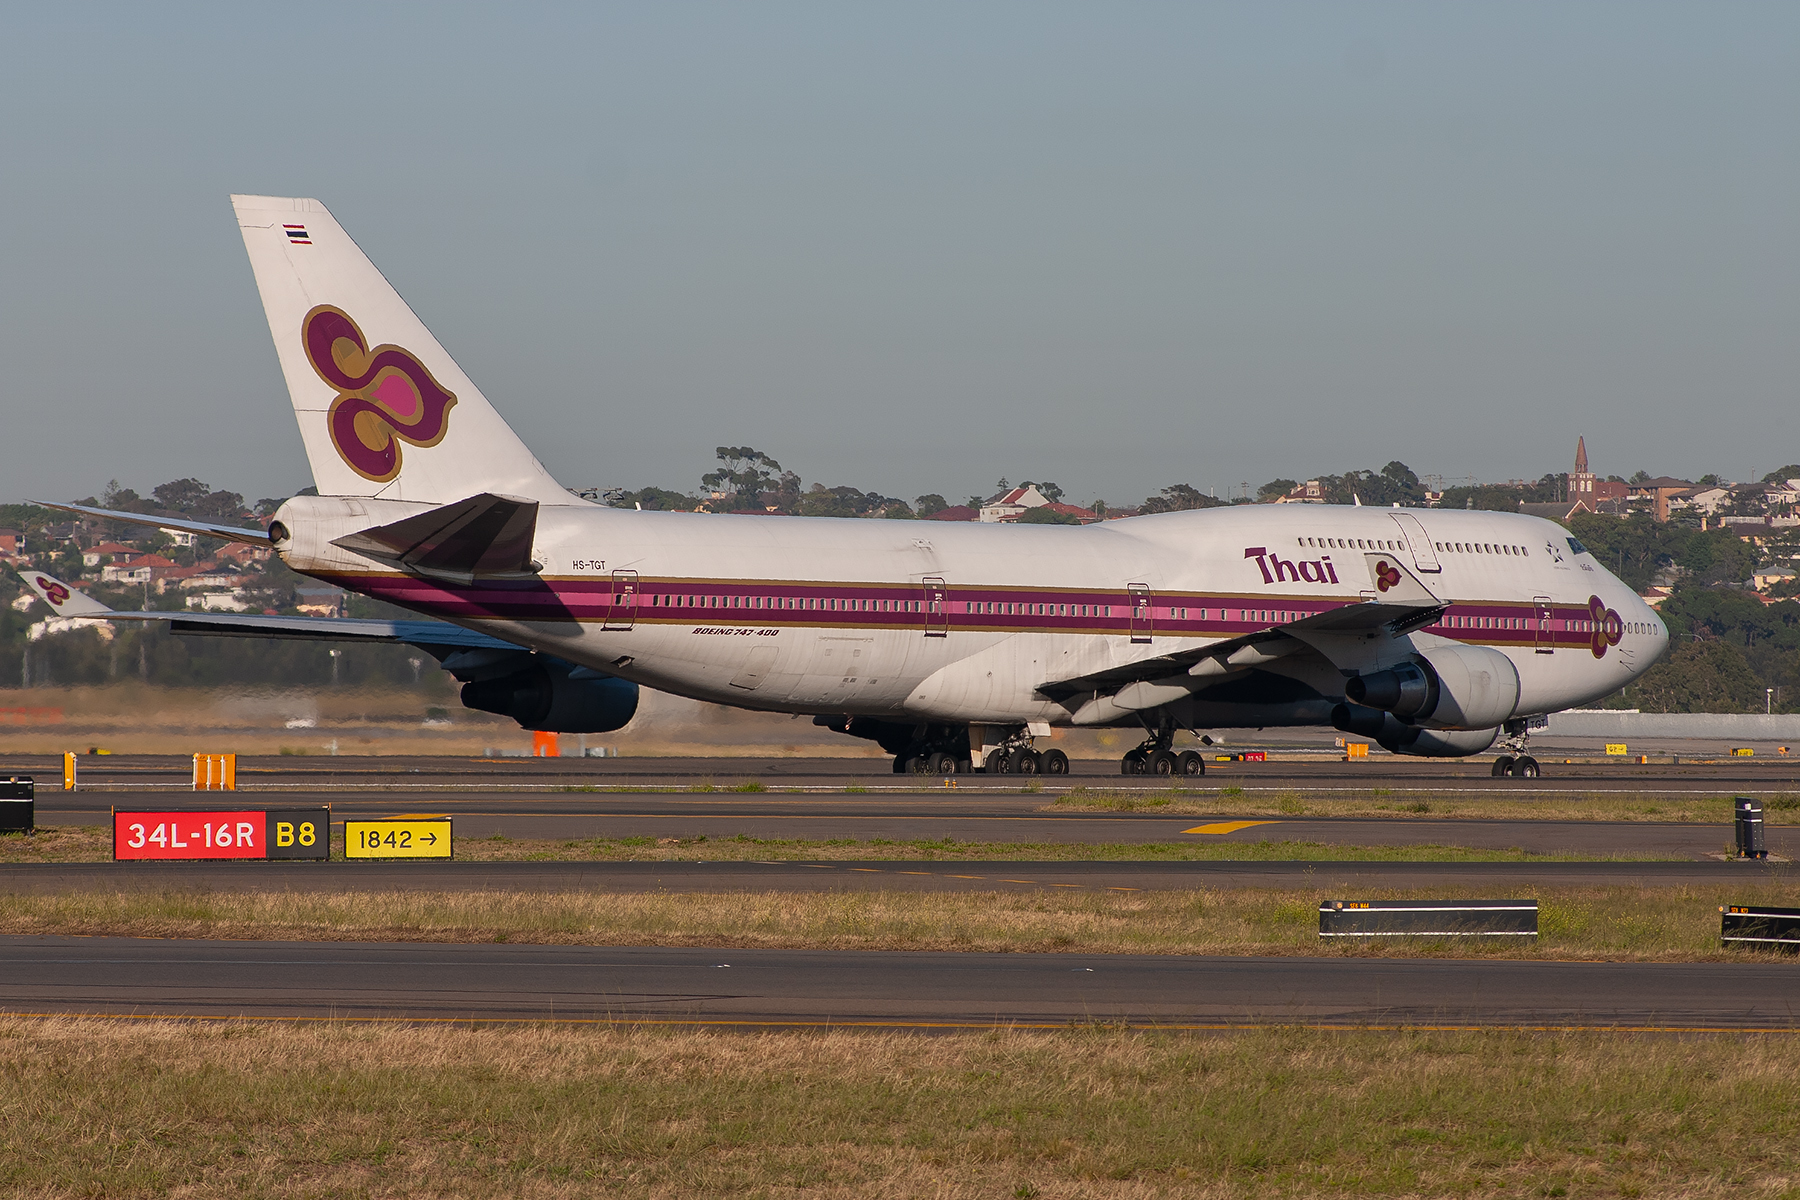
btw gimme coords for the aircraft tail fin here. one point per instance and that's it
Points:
(383, 409)
(64, 601)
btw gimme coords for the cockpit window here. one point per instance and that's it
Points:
(1577, 547)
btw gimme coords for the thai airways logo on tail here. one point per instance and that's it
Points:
(385, 395)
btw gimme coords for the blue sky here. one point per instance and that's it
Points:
(919, 247)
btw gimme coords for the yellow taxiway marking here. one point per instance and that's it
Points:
(1227, 826)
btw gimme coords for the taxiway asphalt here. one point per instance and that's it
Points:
(754, 988)
(677, 877)
(963, 815)
(1286, 769)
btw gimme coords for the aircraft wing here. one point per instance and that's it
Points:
(1398, 602)
(212, 529)
(66, 601)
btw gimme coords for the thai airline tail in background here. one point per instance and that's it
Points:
(368, 381)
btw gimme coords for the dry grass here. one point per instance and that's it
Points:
(1401, 803)
(1660, 924)
(119, 1109)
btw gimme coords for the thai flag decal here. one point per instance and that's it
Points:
(296, 234)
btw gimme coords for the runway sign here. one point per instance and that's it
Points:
(252, 833)
(1760, 927)
(1428, 918)
(1617, 749)
(18, 804)
(397, 839)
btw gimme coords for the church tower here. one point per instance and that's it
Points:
(1581, 480)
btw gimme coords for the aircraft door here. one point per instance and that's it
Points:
(937, 606)
(1541, 618)
(1424, 556)
(1142, 615)
(622, 612)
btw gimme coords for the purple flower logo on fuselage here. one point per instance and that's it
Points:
(1605, 625)
(385, 395)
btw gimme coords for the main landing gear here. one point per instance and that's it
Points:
(1515, 762)
(1023, 760)
(1155, 757)
(945, 750)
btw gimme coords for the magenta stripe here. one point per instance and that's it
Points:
(904, 606)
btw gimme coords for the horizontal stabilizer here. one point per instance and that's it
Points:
(484, 536)
(63, 600)
(212, 529)
(431, 636)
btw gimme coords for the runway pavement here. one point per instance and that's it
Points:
(735, 987)
(1121, 876)
(961, 815)
(1286, 769)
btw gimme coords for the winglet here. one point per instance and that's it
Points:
(63, 600)
(1393, 583)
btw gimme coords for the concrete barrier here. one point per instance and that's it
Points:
(1624, 726)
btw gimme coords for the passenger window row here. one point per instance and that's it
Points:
(1482, 548)
(1330, 543)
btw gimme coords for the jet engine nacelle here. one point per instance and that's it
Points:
(550, 696)
(1397, 737)
(1448, 687)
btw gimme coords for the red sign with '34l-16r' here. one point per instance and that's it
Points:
(222, 833)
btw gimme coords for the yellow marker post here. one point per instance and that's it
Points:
(397, 839)
(68, 770)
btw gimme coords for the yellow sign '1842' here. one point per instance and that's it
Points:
(397, 839)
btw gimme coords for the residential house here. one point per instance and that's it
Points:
(1653, 495)
(1706, 499)
(12, 543)
(107, 553)
(1310, 492)
(227, 601)
(142, 569)
(320, 600)
(243, 553)
(1010, 506)
(1767, 577)
(956, 512)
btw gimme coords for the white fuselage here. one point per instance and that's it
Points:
(941, 621)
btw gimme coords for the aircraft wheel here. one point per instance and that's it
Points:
(1160, 763)
(1132, 763)
(1526, 767)
(1004, 762)
(964, 767)
(900, 761)
(1056, 762)
(1191, 762)
(943, 764)
(919, 764)
(994, 763)
(1024, 762)
(1503, 766)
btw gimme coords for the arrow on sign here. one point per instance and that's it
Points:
(430, 839)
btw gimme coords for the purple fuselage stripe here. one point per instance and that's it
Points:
(903, 606)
